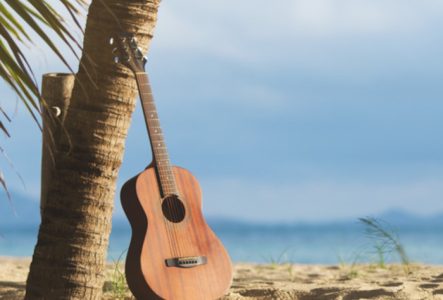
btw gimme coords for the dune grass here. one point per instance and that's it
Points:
(385, 241)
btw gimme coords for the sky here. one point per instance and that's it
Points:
(285, 111)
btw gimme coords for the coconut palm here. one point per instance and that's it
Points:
(70, 255)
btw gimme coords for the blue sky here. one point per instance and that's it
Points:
(300, 110)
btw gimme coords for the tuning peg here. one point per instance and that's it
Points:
(111, 41)
(116, 59)
(115, 50)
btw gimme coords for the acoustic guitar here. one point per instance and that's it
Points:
(173, 254)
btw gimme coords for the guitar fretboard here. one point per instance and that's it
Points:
(159, 150)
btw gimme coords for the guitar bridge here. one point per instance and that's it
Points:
(186, 262)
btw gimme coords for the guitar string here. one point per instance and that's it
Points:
(165, 192)
(161, 175)
(176, 211)
(142, 94)
(168, 184)
(168, 169)
(171, 189)
(157, 152)
(173, 248)
(185, 240)
(162, 196)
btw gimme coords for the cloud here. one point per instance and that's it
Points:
(349, 17)
(242, 29)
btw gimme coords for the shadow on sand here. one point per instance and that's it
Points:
(12, 290)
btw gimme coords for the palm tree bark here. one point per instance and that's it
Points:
(56, 90)
(70, 255)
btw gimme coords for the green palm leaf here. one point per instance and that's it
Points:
(17, 18)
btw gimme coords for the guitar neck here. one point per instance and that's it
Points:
(156, 138)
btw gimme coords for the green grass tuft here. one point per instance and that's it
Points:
(386, 242)
(118, 287)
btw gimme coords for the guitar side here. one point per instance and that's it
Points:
(154, 240)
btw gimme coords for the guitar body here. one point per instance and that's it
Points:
(156, 239)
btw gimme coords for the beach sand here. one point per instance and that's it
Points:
(305, 282)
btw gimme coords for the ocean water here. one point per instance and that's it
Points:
(314, 244)
(331, 243)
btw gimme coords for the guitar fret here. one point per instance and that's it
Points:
(167, 181)
(167, 176)
(164, 161)
(161, 158)
(165, 170)
(158, 142)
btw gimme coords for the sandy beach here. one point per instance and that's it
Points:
(304, 282)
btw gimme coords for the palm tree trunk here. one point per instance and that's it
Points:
(70, 255)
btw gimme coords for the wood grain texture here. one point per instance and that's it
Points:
(147, 274)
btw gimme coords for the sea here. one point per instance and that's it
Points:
(344, 242)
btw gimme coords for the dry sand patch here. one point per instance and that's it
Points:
(294, 282)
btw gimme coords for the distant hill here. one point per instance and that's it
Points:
(400, 217)
(24, 212)
(394, 217)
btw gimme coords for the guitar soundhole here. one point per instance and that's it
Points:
(173, 209)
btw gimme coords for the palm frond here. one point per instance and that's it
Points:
(18, 18)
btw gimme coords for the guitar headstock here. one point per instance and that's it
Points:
(127, 52)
